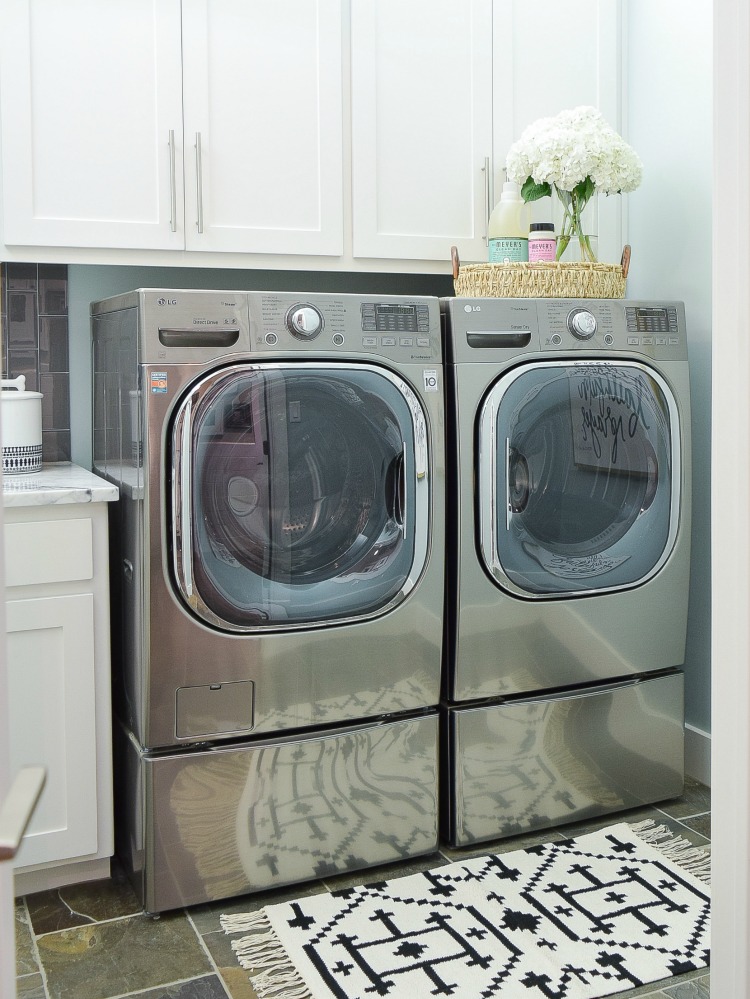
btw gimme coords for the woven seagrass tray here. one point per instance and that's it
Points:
(541, 279)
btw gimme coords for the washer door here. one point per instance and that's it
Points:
(300, 494)
(579, 477)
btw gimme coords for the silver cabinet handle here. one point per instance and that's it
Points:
(18, 807)
(172, 184)
(199, 180)
(487, 197)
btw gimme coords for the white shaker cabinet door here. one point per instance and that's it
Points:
(263, 126)
(91, 106)
(421, 128)
(50, 662)
(550, 56)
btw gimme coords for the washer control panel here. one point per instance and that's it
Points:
(392, 326)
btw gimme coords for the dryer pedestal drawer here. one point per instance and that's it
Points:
(212, 823)
(539, 762)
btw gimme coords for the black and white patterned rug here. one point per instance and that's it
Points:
(576, 919)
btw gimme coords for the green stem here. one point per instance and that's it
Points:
(573, 206)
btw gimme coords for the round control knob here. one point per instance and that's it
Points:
(304, 322)
(582, 324)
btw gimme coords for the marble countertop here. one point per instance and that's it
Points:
(55, 484)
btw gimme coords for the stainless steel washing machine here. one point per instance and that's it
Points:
(277, 577)
(568, 571)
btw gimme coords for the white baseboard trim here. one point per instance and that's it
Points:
(698, 754)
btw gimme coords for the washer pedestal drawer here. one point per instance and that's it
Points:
(211, 823)
(539, 762)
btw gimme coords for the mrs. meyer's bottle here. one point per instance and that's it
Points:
(508, 228)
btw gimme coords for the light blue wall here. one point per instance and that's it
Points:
(90, 283)
(669, 122)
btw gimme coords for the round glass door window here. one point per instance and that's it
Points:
(578, 477)
(300, 494)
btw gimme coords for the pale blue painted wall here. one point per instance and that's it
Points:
(669, 84)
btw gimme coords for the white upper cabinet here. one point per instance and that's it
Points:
(421, 78)
(89, 95)
(263, 125)
(317, 134)
(94, 152)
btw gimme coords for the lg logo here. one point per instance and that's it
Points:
(166, 301)
(472, 308)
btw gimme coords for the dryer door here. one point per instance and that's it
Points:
(300, 494)
(579, 477)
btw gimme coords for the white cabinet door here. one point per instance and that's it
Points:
(263, 125)
(421, 127)
(89, 96)
(50, 663)
(549, 56)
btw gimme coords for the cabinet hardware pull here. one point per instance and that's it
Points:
(172, 187)
(487, 198)
(199, 180)
(18, 807)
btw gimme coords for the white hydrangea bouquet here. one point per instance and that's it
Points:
(576, 154)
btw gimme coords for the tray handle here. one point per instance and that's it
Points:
(625, 261)
(455, 261)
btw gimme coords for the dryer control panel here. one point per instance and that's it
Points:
(519, 326)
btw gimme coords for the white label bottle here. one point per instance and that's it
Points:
(508, 228)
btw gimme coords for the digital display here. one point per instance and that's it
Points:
(396, 317)
(651, 320)
(656, 315)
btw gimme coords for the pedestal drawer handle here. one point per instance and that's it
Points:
(18, 807)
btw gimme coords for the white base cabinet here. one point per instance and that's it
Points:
(57, 611)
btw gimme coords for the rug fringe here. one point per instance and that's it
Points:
(272, 974)
(680, 851)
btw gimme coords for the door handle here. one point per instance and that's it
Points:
(486, 170)
(172, 184)
(18, 807)
(199, 179)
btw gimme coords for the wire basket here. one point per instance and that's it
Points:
(540, 279)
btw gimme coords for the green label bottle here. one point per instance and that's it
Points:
(508, 228)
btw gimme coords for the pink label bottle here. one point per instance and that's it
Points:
(542, 242)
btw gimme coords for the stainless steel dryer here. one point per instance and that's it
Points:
(277, 573)
(569, 506)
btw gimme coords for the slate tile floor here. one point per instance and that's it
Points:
(92, 941)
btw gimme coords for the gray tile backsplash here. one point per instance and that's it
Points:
(35, 343)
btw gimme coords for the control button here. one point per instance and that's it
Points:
(423, 341)
(388, 341)
(648, 340)
(661, 341)
(673, 341)
(609, 339)
(406, 341)
(634, 341)
(581, 324)
(338, 339)
(369, 341)
(271, 339)
(556, 339)
(304, 322)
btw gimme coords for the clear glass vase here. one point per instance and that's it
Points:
(576, 249)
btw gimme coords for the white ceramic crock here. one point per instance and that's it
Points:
(21, 421)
